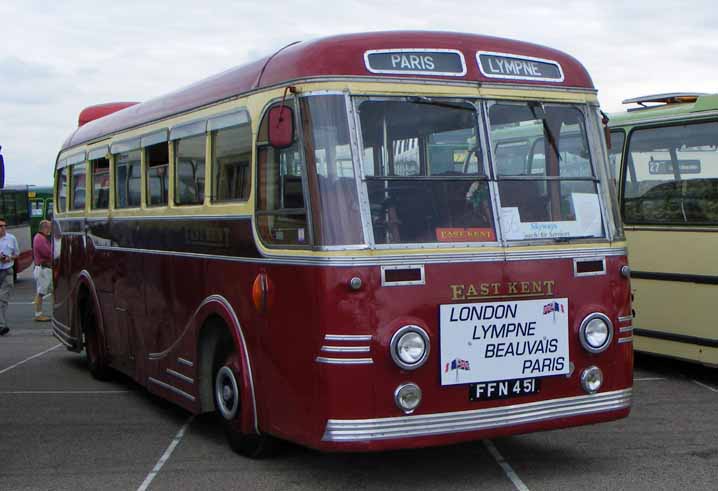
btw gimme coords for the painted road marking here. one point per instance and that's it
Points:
(706, 386)
(62, 392)
(645, 379)
(28, 359)
(515, 479)
(165, 456)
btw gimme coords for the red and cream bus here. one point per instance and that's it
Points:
(326, 246)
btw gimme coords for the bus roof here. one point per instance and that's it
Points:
(345, 55)
(669, 105)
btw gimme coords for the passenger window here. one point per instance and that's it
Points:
(100, 183)
(157, 159)
(231, 163)
(78, 187)
(281, 212)
(189, 165)
(127, 179)
(62, 190)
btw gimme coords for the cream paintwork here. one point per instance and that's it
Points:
(255, 103)
(675, 307)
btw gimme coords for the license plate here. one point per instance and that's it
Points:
(503, 389)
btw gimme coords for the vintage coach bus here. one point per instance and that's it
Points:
(665, 156)
(323, 247)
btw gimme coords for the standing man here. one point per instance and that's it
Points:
(9, 251)
(42, 256)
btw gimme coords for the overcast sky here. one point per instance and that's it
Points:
(59, 57)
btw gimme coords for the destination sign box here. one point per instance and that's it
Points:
(493, 341)
(416, 62)
(513, 67)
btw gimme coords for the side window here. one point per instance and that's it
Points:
(100, 183)
(48, 213)
(62, 190)
(78, 186)
(231, 163)
(281, 212)
(157, 160)
(36, 207)
(127, 179)
(189, 170)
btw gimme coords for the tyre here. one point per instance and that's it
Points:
(94, 348)
(227, 400)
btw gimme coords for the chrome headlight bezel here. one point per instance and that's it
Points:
(394, 347)
(582, 337)
(410, 386)
(591, 375)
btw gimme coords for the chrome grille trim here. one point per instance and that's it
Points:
(347, 337)
(184, 362)
(625, 318)
(344, 361)
(629, 339)
(345, 349)
(625, 329)
(363, 430)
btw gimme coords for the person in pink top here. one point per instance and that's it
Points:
(42, 255)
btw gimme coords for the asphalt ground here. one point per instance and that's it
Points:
(61, 429)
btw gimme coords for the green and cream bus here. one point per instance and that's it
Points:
(664, 155)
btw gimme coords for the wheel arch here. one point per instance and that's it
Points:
(220, 322)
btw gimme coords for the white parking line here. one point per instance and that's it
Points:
(515, 479)
(28, 359)
(165, 456)
(645, 379)
(62, 392)
(706, 386)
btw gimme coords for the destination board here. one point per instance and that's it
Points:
(514, 67)
(416, 62)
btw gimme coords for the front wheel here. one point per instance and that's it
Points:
(227, 399)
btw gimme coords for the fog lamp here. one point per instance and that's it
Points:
(592, 379)
(407, 397)
(409, 347)
(595, 333)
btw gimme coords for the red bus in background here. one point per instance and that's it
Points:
(362, 242)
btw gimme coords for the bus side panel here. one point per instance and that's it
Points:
(678, 308)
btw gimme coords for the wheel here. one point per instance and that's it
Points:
(227, 399)
(96, 360)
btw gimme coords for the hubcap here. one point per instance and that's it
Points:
(226, 393)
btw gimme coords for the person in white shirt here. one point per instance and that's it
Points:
(9, 250)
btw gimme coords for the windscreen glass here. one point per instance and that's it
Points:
(425, 171)
(671, 175)
(547, 186)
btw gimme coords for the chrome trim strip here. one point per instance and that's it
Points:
(184, 362)
(180, 376)
(363, 430)
(346, 349)
(626, 329)
(347, 337)
(63, 338)
(625, 318)
(435, 258)
(344, 361)
(171, 388)
(591, 273)
(420, 281)
(628, 339)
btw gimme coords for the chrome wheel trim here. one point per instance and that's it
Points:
(226, 393)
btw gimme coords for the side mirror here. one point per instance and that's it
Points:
(281, 126)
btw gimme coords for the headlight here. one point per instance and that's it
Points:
(591, 379)
(407, 397)
(595, 333)
(409, 347)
